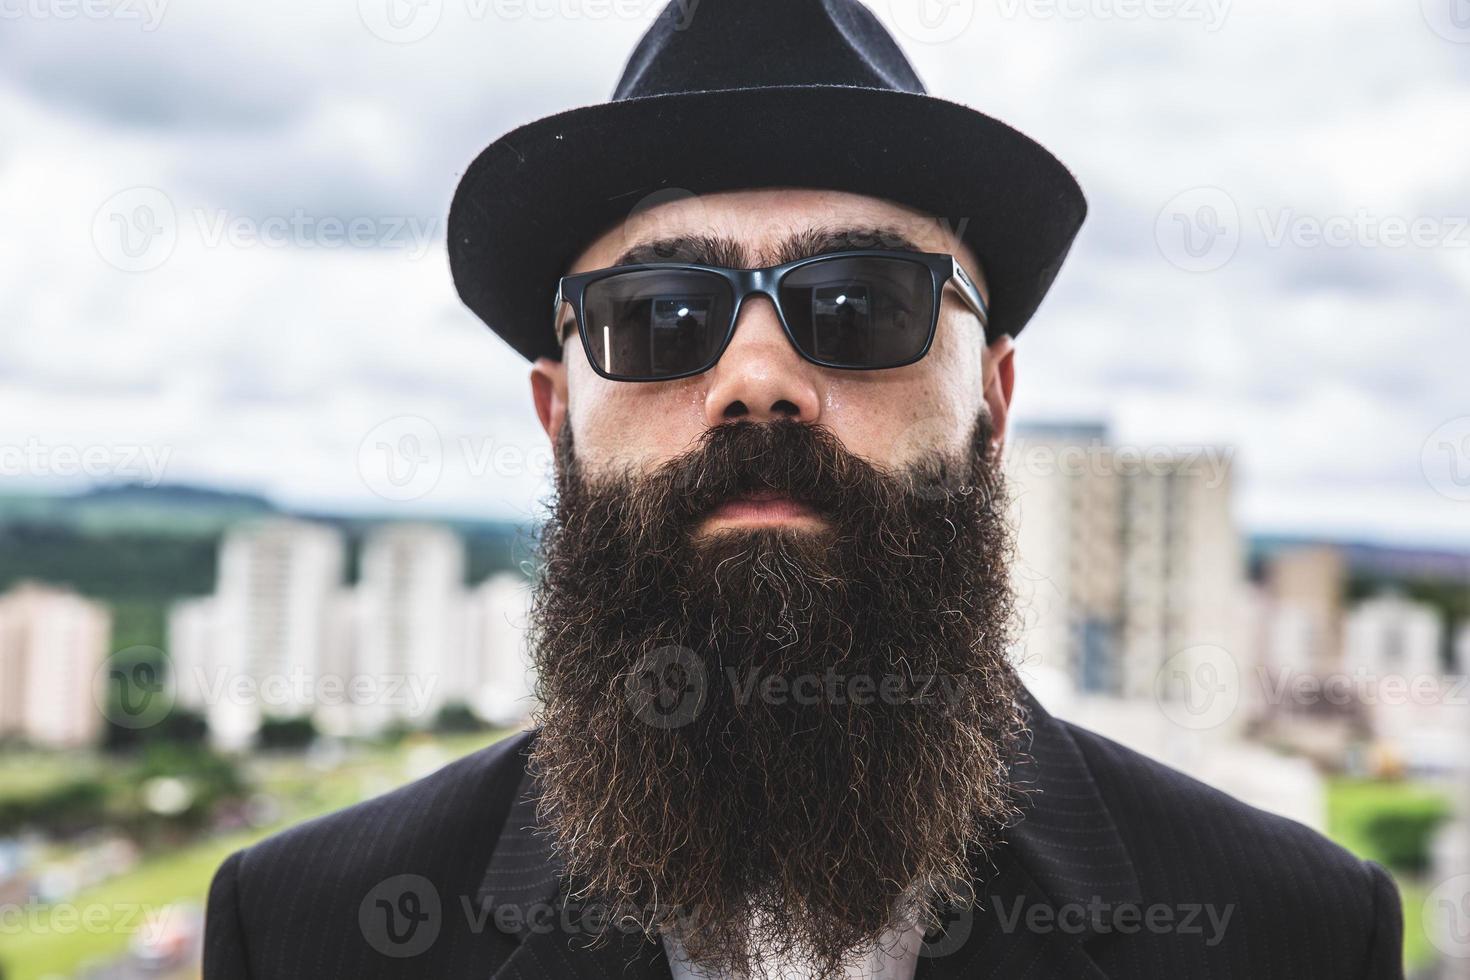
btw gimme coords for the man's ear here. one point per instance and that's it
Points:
(549, 391)
(1000, 382)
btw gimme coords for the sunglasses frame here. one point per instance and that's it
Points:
(943, 268)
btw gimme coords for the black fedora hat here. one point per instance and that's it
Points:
(728, 94)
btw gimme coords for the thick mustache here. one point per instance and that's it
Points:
(800, 461)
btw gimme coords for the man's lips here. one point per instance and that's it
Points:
(762, 507)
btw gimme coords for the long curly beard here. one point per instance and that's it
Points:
(774, 742)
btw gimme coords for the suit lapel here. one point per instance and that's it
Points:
(1035, 891)
(1038, 892)
(521, 891)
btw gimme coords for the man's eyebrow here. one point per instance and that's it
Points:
(731, 254)
(694, 249)
(823, 241)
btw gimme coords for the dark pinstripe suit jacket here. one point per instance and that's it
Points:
(1120, 868)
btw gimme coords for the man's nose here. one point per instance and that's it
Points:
(761, 377)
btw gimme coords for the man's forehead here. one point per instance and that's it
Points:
(767, 227)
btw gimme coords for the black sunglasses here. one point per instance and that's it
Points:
(861, 310)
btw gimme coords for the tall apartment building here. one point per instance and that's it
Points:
(193, 653)
(1304, 586)
(1391, 634)
(406, 640)
(409, 649)
(1125, 558)
(497, 656)
(52, 643)
(254, 649)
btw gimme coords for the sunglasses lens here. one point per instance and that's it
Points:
(861, 312)
(656, 323)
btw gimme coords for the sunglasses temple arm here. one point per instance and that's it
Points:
(970, 294)
(556, 302)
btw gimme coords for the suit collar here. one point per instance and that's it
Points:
(1066, 837)
(1064, 853)
(1036, 891)
(522, 892)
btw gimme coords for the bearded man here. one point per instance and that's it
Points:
(780, 730)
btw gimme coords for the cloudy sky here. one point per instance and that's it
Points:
(222, 261)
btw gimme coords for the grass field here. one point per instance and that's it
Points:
(97, 924)
(27, 774)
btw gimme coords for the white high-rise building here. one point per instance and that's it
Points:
(192, 653)
(1392, 635)
(283, 636)
(272, 620)
(52, 642)
(409, 651)
(1068, 575)
(1126, 558)
(337, 711)
(498, 660)
(1305, 586)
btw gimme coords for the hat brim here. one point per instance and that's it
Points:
(536, 197)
